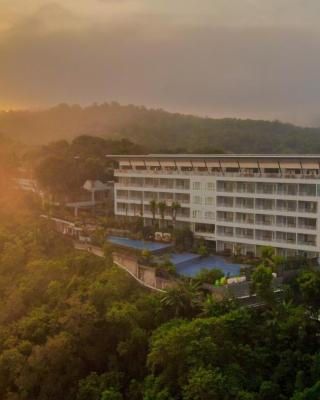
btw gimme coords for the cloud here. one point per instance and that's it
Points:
(206, 68)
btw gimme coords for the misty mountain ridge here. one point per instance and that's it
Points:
(158, 130)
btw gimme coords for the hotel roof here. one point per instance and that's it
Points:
(213, 156)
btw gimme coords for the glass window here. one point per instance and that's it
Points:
(196, 185)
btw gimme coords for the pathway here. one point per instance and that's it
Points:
(97, 251)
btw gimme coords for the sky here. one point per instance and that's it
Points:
(221, 58)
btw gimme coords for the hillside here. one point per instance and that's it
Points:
(158, 130)
(74, 327)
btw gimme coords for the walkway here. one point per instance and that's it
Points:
(97, 251)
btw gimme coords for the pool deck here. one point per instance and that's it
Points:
(188, 264)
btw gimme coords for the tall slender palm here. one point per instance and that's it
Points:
(142, 213)
(175, 207)
(162, 209)
(153, 208)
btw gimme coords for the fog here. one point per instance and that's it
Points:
(257, 59)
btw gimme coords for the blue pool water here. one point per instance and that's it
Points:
(190, 264)
(137, 244)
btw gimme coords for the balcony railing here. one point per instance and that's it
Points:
(241, 221)
(307, 243)
(217, 173)
(304, 226)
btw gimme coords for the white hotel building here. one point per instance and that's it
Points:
(239, 202)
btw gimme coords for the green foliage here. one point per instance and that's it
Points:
(209, 275)
(202, 250)
(111, 394)
(146, 255)
(74, 327)
(162, 206)
(183, 299)
(205, 383)
(153, 209)
(62, 168)
(312, 393)
(309, 288)
(183, 239)
(262, 282)
(107, 251)
(156, 129)
(168, 266)
(175, 207)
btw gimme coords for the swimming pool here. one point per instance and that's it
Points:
(189, 264)
(137, 244)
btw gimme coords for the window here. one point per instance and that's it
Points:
(196, 214)
(210, 186)
(197, 200)
(196, 186)
(209, 201)
(209, 215)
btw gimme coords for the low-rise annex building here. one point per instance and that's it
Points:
(239, 203)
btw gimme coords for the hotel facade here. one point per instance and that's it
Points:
(239, 203)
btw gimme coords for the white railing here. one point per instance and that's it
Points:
(217, 173)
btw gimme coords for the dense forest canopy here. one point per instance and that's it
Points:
(63, 167)
(74, 327)
(158, 130)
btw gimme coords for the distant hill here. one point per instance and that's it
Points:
(158, 130)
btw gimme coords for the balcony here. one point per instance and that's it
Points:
(264, 222)
(307, 193)
(307, 243)
(264, 238)
(244, 236)
(306, 226)
(285, 225)
(310, 210)
(220, 219)
(244, 221)
(226, 234)
(128, 172)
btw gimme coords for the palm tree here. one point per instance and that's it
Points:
(142, 212)
(153, 208)
(185, 299)
(268, 257)
(162, 209)
(175, 207)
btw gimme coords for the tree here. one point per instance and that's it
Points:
(153, 208)
(111, 394)
(268, 257)
(184, 299)
(202, 250)
(262, 283)
(162, 209)
(312, 393)
(210, 276)
(206, 383)
(183, 239)
(309, 289)
(175, 207)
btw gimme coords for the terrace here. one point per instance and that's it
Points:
(187, 264)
